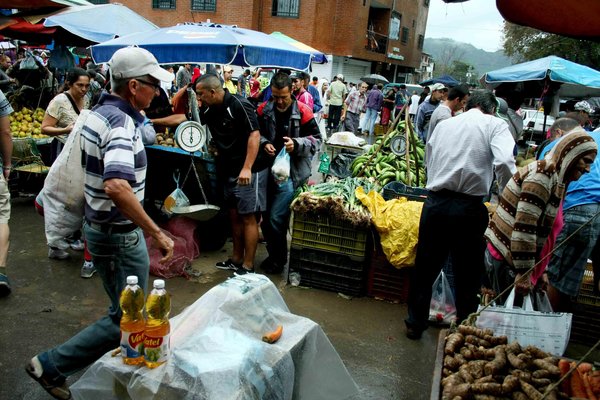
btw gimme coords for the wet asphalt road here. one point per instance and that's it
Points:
(50, 303)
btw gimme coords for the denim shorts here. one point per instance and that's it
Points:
(567, 264)
(250, 198)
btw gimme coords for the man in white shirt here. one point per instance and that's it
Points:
(463, 154)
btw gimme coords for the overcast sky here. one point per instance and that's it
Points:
(475, 21)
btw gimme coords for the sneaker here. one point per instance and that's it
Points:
(58, 254)
(77, 245)
(57, 388)
(4, 286)
(241, 270)
(228, 265)
(88, 269)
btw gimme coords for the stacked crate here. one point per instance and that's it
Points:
(329, 253)
(586, 312)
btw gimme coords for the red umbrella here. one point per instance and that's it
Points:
(30, 4)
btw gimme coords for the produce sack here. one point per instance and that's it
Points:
(177, 198)
(177, 265)
(185, 228)
(548, 331)
(442, 309)
(62, 194)
(397, 222)
(281, 167)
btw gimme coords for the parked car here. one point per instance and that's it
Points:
(533, 125)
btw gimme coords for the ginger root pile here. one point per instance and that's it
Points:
(481, 366)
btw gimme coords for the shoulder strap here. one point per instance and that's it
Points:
(72, 102)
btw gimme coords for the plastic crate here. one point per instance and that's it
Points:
(330, 271)
(322, 232)
(585, 327)
(386, 281)
(395, 190)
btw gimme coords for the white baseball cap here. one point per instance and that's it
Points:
(132, 62)
(584, 106)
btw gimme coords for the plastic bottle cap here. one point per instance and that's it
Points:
(159, 283)
(132, 280)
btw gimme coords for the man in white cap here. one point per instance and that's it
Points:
(114, 162)
(584, 109)
(427, 107)
(337, 96)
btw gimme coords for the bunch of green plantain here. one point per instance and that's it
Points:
(387, 167)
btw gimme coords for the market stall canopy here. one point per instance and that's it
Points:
(79, 25)
(574, 80)
(445, 80)
(210, 43)
(31, 4)
(578, 19)
(317, 56)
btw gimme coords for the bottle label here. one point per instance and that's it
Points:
(132, 344)
(157, 349)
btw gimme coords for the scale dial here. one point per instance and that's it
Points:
(190, 136)
(398, 145)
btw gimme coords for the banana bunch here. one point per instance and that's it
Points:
(387, 167)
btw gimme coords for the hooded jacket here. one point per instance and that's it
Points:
(529, 202)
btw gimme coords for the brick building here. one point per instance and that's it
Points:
(359, 36)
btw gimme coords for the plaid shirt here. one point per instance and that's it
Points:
(356, 102)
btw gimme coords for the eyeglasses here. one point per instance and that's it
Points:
(156, 86)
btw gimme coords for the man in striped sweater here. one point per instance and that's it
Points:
(527, 209)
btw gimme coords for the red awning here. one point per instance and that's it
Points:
(24, 26)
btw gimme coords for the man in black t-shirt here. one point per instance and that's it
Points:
(235, 134)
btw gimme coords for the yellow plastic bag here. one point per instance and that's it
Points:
(397, 222)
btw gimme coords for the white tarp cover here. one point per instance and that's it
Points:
(217, 353)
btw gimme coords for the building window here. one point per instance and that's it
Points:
(421, 41)
(204, 5)
(426, 3)
(404, 35)
(98, 1)
(164, 4)
(286, 8)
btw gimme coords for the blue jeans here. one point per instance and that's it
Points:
(567, 264)
(276, 219)
(370, 118)
(115, 257)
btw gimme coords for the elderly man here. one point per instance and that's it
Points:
(427, 107)
(114, 161)
(462, 156)
(235, 134)
(355, 105)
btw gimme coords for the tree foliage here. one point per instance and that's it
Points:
(526, 44)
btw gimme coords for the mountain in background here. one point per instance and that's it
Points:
(445, 51)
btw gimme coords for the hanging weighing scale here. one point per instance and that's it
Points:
(191, 136)
(398, 145)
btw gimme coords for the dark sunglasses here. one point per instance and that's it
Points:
(156, 86)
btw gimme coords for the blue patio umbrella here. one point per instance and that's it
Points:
(210, 43)
(572, 79)
(99, 23)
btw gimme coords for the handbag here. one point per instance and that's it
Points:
(548, 331)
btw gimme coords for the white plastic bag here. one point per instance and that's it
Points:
(177, 198)
(549, 331)
(442, 308)
(281, 167)
(62, 193)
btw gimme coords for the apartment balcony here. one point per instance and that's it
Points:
(376, 42)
